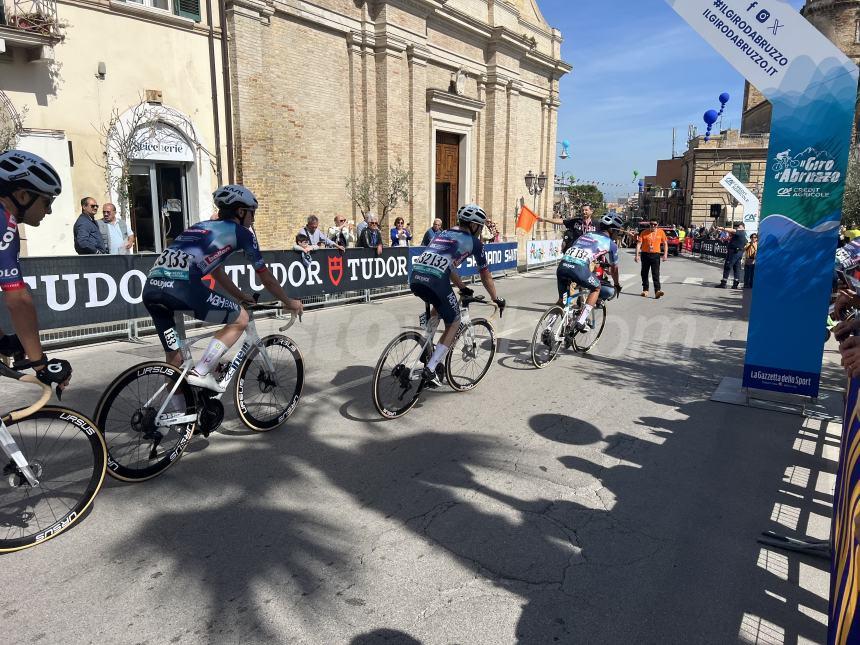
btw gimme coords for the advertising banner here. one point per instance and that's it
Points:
(543, 252)
(844, 623)
(501, 256)
(745, 196)
(710, 247)
(89, 289)
(812, 86)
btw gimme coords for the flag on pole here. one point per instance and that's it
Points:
(526, 219)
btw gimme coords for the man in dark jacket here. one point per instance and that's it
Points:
(88, 237)
(574, 226)
(432, 232)
(736, 244)
(371, 236)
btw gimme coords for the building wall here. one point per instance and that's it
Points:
(324, 92)
(65, 102)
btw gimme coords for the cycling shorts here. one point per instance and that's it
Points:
(164, 298)
(438, 294)
(582, 275)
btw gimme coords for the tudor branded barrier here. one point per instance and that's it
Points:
(711, 248)
(94, 289)
(502, 256)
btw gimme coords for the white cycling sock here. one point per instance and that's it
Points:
(211, 357)
(586, 310)
(438, 355)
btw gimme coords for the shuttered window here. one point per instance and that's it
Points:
(187, 9)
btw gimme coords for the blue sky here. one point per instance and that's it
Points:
(638, 71)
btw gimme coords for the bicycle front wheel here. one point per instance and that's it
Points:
(67, 456)
(545, 345)
(265, 399)
(584, 341)
(471, 355)
(139, 445)
(397, 377)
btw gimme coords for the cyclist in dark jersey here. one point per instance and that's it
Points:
(435, 269)
(578, 263)
(28, 186)
(175, 281)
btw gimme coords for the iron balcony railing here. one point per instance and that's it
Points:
(38, 17)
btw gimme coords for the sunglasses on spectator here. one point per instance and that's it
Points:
(341, 221)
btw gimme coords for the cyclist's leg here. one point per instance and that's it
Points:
(445, 305)
(213, 307)
(162, 306)
(586, 278)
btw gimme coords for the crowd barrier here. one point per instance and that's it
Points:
(844, 620)
(101, 295)
(710, 248)
(542, 253)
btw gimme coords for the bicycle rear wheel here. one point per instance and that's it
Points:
(138, 447)
(67, 455)
(584, 341)
(265, 401)
(397, 377)
(471, 355)
(544, 344)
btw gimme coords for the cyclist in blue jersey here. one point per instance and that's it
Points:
(175, 281)
(435, 269)
(579, 261)
(28, 186)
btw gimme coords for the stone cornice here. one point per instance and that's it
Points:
(440, 98)
(261, 10)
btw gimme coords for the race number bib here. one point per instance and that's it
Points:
(172, 263)
(430, 262)
(578, 255)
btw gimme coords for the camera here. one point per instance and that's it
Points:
(763, 15)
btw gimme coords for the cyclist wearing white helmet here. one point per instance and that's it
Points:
(28, 186)
(175, 281)
(579, 261)
(435, 269)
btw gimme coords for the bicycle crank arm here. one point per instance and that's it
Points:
(173, 419)
(14, 453)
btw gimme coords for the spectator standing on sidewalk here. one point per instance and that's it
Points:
(432, 232)
(574, 226)
(117, 236)
(736, 243)
(750, 251)
(362, 224)
(316, 236)
(371, 236)
(341, 232)
(651, 245)
(400, 234)
(88, 237)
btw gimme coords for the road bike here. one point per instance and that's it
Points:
(150, 412)
(55, 462)
(557, 326)
(397, 381)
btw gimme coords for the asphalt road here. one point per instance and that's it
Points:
(603, 499)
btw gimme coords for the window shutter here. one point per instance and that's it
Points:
(187, 9)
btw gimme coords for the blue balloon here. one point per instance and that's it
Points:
(711, 117)
(641, 182)
(724, 98)
(565, 144)
(674, 185)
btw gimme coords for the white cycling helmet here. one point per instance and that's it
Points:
(611, 220)
(471, 214)
(233, 196)
(19, 169)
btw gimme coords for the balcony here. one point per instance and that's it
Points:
(30, 25)
(665, 193)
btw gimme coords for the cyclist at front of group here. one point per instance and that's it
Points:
(175, 282)
(579, 261)
(435, 269)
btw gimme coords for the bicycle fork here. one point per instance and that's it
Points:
(14, 453)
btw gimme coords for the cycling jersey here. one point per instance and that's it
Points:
(591, 248)
(10, 249)
(204, 247)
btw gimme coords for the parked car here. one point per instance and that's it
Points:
(674, 240)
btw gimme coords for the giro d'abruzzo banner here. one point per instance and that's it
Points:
(812, 86)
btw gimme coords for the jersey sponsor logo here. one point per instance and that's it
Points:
(8, 236)
(220, 253)
(8, 274)
(335, 269)
(164, 284)
(219, 301)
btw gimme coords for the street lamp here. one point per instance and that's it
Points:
(535, 185)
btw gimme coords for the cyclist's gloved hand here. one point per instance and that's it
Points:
(466, 291)
(11, 346)
(501, 304)
(55, 371)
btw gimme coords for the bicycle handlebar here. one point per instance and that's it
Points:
(17, 415)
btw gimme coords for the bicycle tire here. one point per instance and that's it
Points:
(117, 421)
(553, 347)
(460, 348)
(579, 343)
(293, 383)
(396, 378)
(87, 444)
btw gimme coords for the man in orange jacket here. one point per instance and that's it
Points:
(652, 243)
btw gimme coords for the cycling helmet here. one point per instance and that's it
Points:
(471, 214)
(19, 169)
(610, 221)
(234, 196)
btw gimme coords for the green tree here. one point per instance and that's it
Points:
(851, 201)
(587, 194)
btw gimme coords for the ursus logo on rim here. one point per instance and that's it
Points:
(335, 269)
